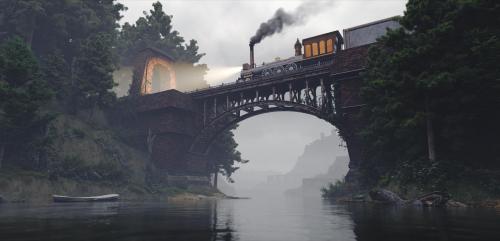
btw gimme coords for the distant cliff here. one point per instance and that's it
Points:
(312, 186)
(318, 157)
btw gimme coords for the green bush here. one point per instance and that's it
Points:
(80, 134)
(73, 167)
(335, 190)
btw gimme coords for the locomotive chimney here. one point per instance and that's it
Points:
(252, 62)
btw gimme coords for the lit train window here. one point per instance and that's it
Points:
(329, 45)
(322, 47)
(307, 50)
(315, 49)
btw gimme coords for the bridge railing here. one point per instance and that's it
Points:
(300, 69)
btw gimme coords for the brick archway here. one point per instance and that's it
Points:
(147, 79)
(144, 64)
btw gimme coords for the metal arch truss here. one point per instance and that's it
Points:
(223, 110)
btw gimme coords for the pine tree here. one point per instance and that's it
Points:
(441, 66)
(224, 156)
(155, 30)
(22, 93)
(94, 73)
(59, 33)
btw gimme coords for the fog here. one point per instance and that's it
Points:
(283, 153)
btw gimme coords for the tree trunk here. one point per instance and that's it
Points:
(92, 110)
(72, 105)
(2, 153)
(150, 142)
(430, 133)
(215, 179)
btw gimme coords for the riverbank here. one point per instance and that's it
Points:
(410, 195)
(34, 187)
(469, 191)
(87, 158)
(488, 203)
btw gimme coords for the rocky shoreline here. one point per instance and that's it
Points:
(433, 199)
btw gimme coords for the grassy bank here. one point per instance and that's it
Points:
(86, 157)
(36, 187)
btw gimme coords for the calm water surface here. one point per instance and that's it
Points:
(270, 218)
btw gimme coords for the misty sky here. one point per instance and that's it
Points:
(223, 29)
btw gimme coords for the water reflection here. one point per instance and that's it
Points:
(113, 221)
(411, 223)
(267, 218)
(278, 218)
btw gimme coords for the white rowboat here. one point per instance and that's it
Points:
(103, 198)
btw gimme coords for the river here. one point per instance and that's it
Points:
(269, 218)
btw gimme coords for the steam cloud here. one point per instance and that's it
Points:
(281, 19)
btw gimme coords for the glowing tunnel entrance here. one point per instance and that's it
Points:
(159, 75)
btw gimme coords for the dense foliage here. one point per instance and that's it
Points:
(70, 49)
(60, 47)
(155, 30)
(224, 156)
(22, 93)
(62, 34)
(435, 80)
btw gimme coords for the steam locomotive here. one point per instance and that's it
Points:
(317, 49)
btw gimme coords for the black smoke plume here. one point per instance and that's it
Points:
(281, 19)
(273, 25)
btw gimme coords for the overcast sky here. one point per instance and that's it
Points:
(223, 29)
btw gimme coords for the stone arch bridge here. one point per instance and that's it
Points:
(179, 127)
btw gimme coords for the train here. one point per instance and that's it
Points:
(316, 50)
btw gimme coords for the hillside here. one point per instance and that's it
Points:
(317, 158)
(85, 158)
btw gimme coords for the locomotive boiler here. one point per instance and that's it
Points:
(317, 50)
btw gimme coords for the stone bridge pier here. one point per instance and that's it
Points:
(164, 125)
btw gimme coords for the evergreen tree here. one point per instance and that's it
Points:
(59, 33)
(438, 74)
(224, 156)
(19, 17)
(22, 93)
(155, 30)
(94, 73)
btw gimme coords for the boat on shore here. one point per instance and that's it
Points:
(102, 198)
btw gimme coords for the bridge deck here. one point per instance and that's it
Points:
(345, 61)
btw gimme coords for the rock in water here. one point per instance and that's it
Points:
(383, 195)
(435, 199)
(417, 203)
(455, 204)
(2, 200)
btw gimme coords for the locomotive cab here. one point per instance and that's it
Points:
(324, 44)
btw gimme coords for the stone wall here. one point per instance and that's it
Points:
(165, 125)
